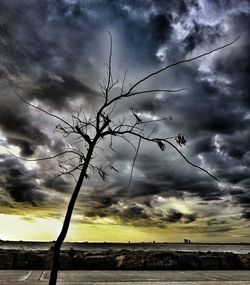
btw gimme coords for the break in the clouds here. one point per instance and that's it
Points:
(53, 53)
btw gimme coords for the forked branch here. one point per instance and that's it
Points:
(130, 93)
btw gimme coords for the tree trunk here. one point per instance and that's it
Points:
(65, 227)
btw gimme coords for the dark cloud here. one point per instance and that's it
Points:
(163, 177)
(246, 215)
(174, 216)
(57, 183)
(18, 182)
(16, 123)
(33, 29)
(134, 213)
(161, 29)
(203, 145)
(189, 218)
(57, 93)
(201, 34)
(244, 199)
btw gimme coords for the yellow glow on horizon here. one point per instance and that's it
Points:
(16, 227)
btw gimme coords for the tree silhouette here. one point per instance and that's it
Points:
(102, 125)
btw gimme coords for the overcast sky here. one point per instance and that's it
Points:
(53, 52)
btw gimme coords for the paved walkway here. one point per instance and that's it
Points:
(39, 277)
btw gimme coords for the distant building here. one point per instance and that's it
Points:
(187, 240)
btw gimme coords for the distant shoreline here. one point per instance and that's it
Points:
(124, 243)
(238, 248)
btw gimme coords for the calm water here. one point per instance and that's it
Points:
(236, 248)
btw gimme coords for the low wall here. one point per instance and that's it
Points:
(125, 259)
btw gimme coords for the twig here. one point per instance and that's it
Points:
(42, 110)
(45, 158)
(133, 164)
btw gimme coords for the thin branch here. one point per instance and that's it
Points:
(153, 91)
(122, 88)
(73, 177)
(188, 161)
(70, 172)
(133, 164)
(42, 110)
(110, 78)
(180, 62)
(71, 158)
(153, 121)
(127, 94)
(154, 130)
(123, 81)
(128, 141)
(129, 127)
(45, 158)
(165, 140)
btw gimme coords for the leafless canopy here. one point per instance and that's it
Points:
(103, 124)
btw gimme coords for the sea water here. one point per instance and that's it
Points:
(87, 246)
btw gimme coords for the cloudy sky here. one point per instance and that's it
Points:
(53, 53)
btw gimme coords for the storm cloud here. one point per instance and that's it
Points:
(18, 182)
(53, 53)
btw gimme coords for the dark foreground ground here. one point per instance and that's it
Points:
(124, 260)
(39, 277)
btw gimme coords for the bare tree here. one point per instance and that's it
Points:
(90, 131)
